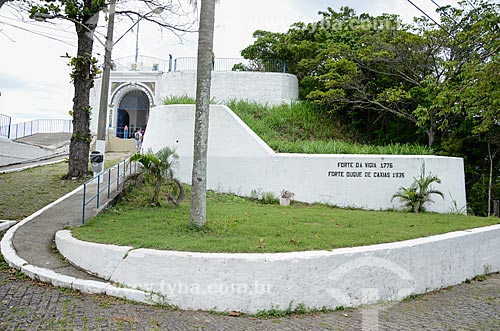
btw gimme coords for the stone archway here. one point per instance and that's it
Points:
(133, 111)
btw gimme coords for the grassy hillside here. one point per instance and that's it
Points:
(302, 128)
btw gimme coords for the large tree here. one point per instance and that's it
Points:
(387, 82)
(84, 14)
(203, 82)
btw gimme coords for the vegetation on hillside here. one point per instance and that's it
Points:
(388, 82)
(377, 82)
(303, 127)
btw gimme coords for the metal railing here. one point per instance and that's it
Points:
(30, 128)
(5, 122)
(106, 184)
(147, 63)
(232, 64)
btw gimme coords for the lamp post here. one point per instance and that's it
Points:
(157, 10)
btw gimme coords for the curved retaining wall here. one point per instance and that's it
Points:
(252, 282)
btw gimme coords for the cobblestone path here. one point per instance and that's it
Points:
(29, 305)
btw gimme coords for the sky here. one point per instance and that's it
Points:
(34, 75)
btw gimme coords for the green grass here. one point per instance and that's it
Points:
(178, 100)
(235, 224)
(22, 193)
(303, 128)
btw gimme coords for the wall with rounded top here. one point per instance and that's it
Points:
(263, 87)
(252, 282)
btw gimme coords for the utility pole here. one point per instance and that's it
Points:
(103, 105)
(137, 42)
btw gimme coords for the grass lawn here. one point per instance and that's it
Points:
(23, 193)
(236, 224)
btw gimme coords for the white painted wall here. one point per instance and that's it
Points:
(251, 282)
(239, 162)
(263, 87)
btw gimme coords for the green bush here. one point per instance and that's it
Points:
(178, 100)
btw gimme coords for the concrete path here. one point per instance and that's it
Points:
(34, 240)
(38, 147)
(51, 141)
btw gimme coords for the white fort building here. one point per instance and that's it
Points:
(238, 160)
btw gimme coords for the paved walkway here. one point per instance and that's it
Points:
(29, 305)
(37, 147)
(34, 241)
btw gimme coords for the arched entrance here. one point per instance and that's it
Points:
(133, 111)
(122, 121)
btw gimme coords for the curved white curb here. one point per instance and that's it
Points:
(4, 225)
(252, 282)
(49, 276)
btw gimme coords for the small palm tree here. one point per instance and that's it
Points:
(419, 193)
(157, 169)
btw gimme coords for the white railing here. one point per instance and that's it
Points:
(15, 131)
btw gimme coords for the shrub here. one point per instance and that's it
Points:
(419, 193)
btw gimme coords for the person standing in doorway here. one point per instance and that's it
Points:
(138, 139)
(143, 131)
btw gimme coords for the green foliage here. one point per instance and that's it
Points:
(81, 137)
(183, 100)
(387, 82)
(299, 309)
(178, 100)
(83, 66)
(413, 297)
(157, 169)
(267, 198)
(303, 128)
(419, 193)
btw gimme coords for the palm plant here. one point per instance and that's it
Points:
(419, 193)
(158, 169)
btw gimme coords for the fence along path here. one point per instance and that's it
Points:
(24, 129)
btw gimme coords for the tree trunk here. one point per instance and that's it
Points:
(83, 82)
(203, 81)
(491, 157)
(431, 132)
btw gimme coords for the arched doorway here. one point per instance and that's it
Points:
(133, 111)
(122, 121)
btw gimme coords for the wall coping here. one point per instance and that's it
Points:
(323, 278)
